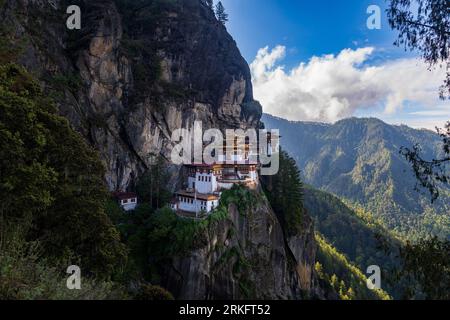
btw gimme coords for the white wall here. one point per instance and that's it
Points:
(226, 186)
(203, 183)
(197, 205)
(129, 205)
(188, 206)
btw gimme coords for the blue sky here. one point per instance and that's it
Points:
(306, 29)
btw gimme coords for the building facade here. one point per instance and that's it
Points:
(127, 200)
(206, 182)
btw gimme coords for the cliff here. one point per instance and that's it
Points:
(246, 256)
(135, 72)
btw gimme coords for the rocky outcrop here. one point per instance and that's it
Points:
(132, 75)
(245, 256)
(126, 81)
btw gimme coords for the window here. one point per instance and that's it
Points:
(125, 201)
(133, 200)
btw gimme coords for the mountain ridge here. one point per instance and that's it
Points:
(359, 160)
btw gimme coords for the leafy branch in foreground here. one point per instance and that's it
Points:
(430, 174)
(427, 264)
(424, 25)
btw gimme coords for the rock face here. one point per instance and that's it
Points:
(130, 77)
(246, 256)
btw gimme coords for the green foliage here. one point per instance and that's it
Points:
(241, 196)
(25, 274)
(60, 82)
(358, 160)
(10, 48)
(155, 236)
(341, 278)
(285, 193)
(171, 236)
(354, 233)
(149, 293)
(147, 70)
(431, 174)
(142, 18)
(152, 185)
(426, 265)
(51, 181)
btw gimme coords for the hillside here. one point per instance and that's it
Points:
(359, 160)
(81, 114)
(353, 235)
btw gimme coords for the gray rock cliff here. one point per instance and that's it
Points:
(135, 72)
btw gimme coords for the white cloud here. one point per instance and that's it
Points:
(438, 111)
(330, 87)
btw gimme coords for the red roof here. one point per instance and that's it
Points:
(124, 195)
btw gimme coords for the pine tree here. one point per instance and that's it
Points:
(334, 281)
(151, 187)
(221, 15)
(285, 193)
(210, 4)
(52, 182)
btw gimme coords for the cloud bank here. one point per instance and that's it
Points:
(332, 87)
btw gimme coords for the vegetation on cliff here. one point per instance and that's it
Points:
(52, 192)
(285, 193)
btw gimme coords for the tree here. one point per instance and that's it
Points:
(152, 186)
(51, 181)
(149, 292)
(210, 4)
(285, 194)
(427, 263)
(424, 25)
(221, 15)
(431, 173)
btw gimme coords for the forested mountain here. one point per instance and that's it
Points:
(359, 160)
(82, 115)
(353, 237)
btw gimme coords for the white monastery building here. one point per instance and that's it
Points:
(127, 200)
(205, 183)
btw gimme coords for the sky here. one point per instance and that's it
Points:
(318, 61)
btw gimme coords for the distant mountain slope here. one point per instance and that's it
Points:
(341, 279)
(359, 160)
(354, 234)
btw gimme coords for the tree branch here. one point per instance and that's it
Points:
(427, 26)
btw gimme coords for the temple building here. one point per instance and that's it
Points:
(206, 182)
(127, 200)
